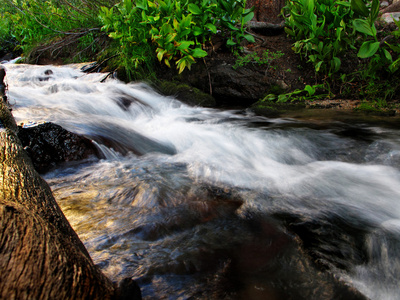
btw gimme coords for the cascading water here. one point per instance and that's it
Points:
(209, 204)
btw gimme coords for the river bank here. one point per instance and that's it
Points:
(244, 79)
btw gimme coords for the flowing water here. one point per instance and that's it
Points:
(198, 203)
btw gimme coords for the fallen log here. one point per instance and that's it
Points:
(41, 257)
(265, 25)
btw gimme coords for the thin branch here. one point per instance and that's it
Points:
(209, 76)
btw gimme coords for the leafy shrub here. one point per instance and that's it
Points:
(37, 21)
(371, 47)
(7, 41)
(175, 30)
(322, 30)
(327, 32)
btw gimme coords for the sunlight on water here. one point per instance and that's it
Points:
(181, 189)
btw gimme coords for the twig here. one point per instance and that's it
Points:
(209, 76)
(108, 75)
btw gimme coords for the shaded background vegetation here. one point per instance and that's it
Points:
(352, 52)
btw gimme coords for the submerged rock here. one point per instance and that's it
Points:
(48, 145)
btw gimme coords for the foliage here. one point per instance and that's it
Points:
(322, 31)
(266, 59)
(7, 41)
(329, 32)
(372, 47)
(175, 30)
(37, 21)
(310, 92)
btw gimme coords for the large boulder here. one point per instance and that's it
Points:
(49, 145)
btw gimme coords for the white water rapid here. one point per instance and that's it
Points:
(188, 195)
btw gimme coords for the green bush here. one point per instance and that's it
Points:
(328, 32)
(7, 39)
(175, 31)
(35, 22)
(372, 47)
(322, 31)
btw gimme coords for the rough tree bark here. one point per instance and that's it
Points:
(267, 10)
(41, 257)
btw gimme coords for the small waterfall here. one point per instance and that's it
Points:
(187, 193)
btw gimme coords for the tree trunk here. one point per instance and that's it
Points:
(267, 10)
(41, 257)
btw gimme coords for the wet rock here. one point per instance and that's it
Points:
(389, 17)
(2, 84)
(49, 145)
(92, 67)
(229, 85)
(185, 93)
(6, 58)
(332, 241)
(128, 289)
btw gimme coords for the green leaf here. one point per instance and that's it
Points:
(211, 27)
(142, 4)
(270, 97)
(359, 7)
(185, 22)
(336, 63)
(395, 65)
(248, 17)
(230, 42)
(170, 37)
(184, 45)
(197, 31)
(289, 31)
(318, 66)
(184, 62)
(310, 90)
(388, 55)
(160, 53)
(368, 49)
(394, 48)
(312, 58)
(374, 11)
(343, 3)
(363, 26)
(175, 24)
(115, 35)
(283, 97)
(249, 38)
(198, 53)
(194, 9)
(231, 26)
(185, 32)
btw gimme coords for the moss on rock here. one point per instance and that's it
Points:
(185, 93)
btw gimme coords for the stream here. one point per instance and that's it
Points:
(201, 203)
